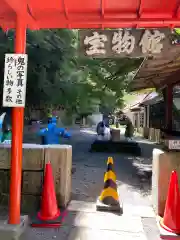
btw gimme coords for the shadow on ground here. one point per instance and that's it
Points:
(89, 170)
(133, 173)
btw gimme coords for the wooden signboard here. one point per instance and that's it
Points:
(124, 42)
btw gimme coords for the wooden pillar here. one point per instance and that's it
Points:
(148, 115)
(145, 116)
(17, 138)
(138, 114)
(169, 106)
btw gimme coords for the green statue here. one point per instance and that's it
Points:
(129, 130)
(7, 133)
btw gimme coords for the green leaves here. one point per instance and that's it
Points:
(57, 76)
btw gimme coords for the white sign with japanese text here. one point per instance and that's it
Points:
(174, 144)
(15, 77)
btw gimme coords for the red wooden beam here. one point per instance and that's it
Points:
(18, 6)
(141, 22)
(110, 14)
(102, 12)
(176, 8)
(77, 21)
(21, 8)
(66, 13)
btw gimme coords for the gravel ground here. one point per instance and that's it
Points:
(133, 179)
(133, 173)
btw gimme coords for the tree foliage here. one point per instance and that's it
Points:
(58, 76)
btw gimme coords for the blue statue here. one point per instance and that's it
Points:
(51, 134)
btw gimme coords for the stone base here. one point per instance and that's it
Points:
(13, 232)
(54, 223)
(163, 164)
(164, 234)
(110, 208)
(123, 146)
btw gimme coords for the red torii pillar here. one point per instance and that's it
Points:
(17, 136)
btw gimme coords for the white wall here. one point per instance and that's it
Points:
(95, 118)
(130, 115)
(177, 102)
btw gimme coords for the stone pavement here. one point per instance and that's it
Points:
(83, 222)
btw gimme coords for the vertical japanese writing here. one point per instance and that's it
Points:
(20, 79)
(15, 80)
(10, 64)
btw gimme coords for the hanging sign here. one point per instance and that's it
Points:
(174, 144)
(15, 76)
(124, 42)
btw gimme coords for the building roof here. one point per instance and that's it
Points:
(90, 13)
(152, 101)
(139, 101)
(158, 71)
(158, 98)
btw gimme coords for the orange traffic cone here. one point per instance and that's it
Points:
(171, 220)
(49, 215)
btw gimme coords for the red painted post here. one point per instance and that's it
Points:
(169, 104)
(17, 138)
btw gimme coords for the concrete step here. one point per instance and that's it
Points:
(104, 221)
(83, 222)
(128, 209)
(91, 234)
